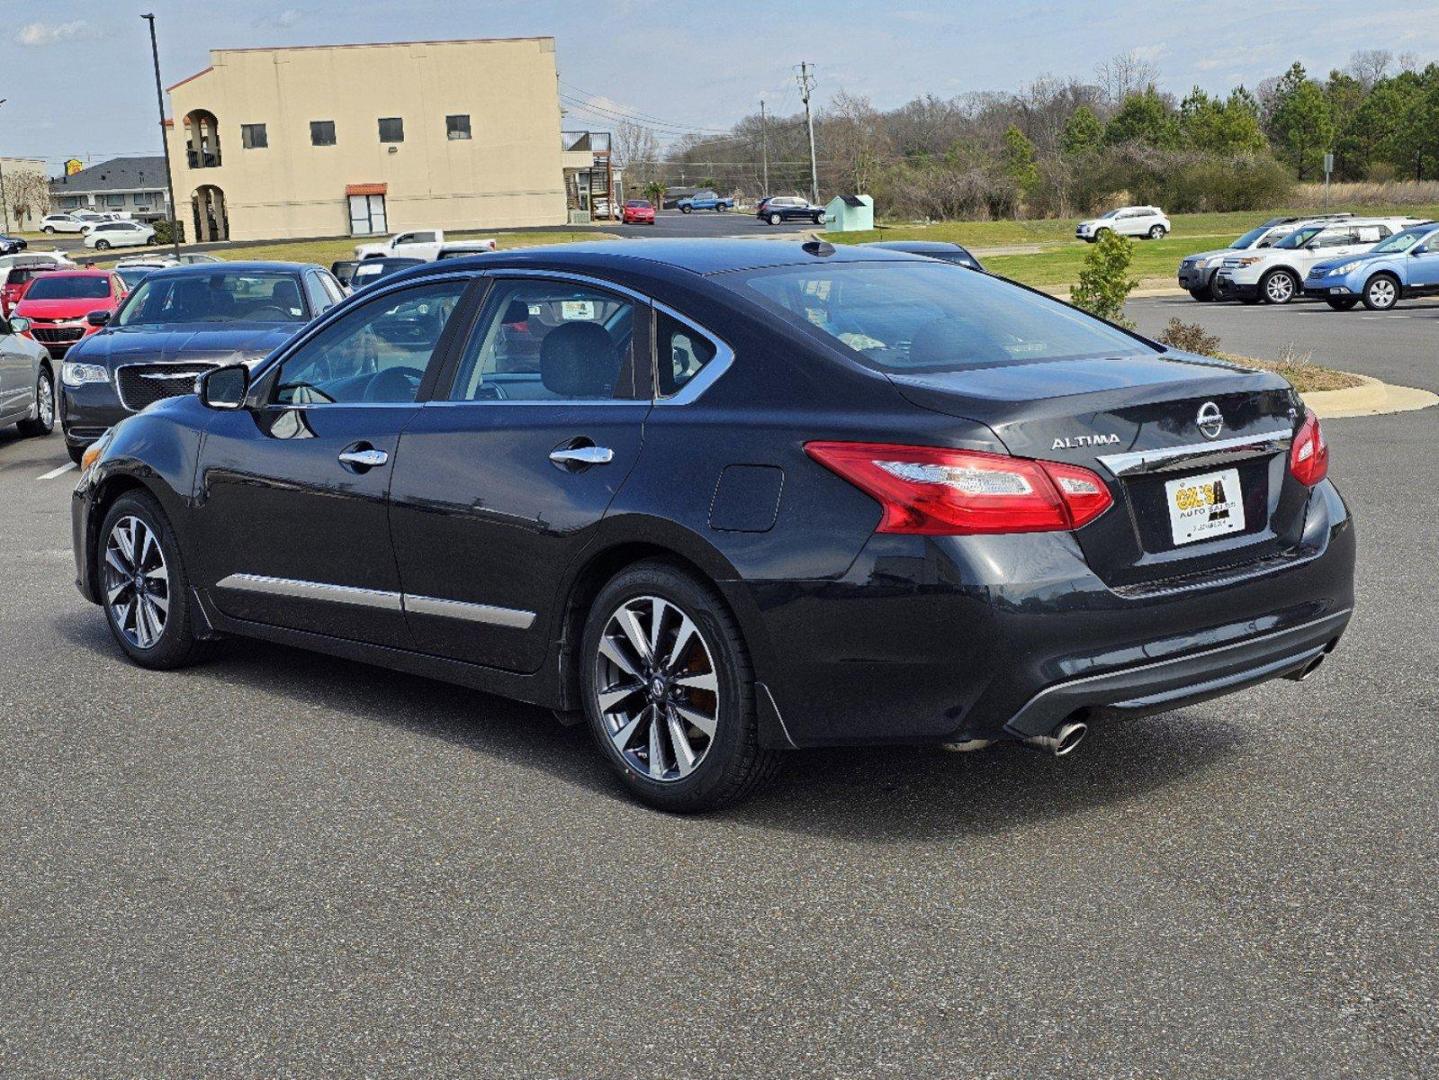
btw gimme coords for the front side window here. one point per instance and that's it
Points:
(253, 136)
(219, 296)
(458, 126)
(1298, 239)
(392, 129)
(378, 352)
(545, 340)
(931, 316)
(683, 353)
(322, 133)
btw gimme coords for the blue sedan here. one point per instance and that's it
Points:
(1405, 265)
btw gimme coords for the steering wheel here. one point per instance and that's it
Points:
(281, 314)
(394, 384)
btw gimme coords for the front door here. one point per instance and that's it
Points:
(15, 368)
(367, 215)
(502, 478)
(292, 513)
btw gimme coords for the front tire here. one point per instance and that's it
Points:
(1278, 287)
(775, 219)
(48, 229)
(1381, 293)
(1204, 295)
(143, 585)
(43, 421)
(1341, 303)
(686, 209)
(102, 245)
(1157, 232)
(669, 691)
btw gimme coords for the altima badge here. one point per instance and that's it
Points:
(1076, 442)
(1210, 420)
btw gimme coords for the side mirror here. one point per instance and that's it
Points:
(98, 318)
(224, 387)
(1311, 246)
(1420, 250)
(19, 324)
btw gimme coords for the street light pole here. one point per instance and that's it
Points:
(164, 143)
(4, 202)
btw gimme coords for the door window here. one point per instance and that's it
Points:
(550, 340)
(378, 353)
(367, 215)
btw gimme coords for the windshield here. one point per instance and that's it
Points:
(221, 296)
(1250, 238)
(932, 316)
(133, 275)
(1402, 241)
(1299, 238)
(638, 204)
(56, 287)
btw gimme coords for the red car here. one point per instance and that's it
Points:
(638, 212)
(14, 281)
(56, 305)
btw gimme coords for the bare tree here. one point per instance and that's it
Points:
(1408, 61)
(636, 150)
(28, 195)
(855, 142)
(1370, 65)
(1125, 74)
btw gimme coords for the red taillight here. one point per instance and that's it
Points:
(935, 491)
(1309, 456)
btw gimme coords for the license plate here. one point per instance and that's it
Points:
(1203, 507)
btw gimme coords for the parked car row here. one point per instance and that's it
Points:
(1330, 257)
(77, 221)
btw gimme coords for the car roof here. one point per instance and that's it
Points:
(97, 272)
(711, 256)
(202, 269)
(917, 245)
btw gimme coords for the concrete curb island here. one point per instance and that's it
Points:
(1370, 398)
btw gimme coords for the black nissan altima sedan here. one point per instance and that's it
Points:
(722, 500)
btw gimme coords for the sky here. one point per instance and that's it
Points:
(78, 80)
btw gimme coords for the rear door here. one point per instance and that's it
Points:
(291, 514)
(504, 476)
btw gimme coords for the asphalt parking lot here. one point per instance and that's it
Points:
(280, 863)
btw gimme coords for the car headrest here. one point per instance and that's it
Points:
(286, 294)
(516, 311)
(579, 360)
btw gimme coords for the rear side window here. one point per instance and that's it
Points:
(683, 353)
(931, 316)
(550, 340)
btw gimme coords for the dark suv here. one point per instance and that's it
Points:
(778, 208)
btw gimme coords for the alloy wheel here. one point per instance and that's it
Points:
(657, 689)
(1279, 289)
(137, 582)
(1381, 293)
(45, 403)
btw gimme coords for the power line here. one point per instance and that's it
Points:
(638, 117)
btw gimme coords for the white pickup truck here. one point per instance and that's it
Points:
(427, 244)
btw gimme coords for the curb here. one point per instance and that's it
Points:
(1372, 398)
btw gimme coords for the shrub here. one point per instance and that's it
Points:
(162, 232)
(1104, 282)
(1190, 337)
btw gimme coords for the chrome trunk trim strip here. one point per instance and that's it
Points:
(1197, 455)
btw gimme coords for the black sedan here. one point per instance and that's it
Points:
(719, 500)
(9, 245)
(179, 322)
(943, 250)
(370, 271)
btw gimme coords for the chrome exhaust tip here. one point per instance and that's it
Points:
(1307, 670)
(1061, 741)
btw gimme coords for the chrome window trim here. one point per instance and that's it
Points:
(489, 614)
(1196, 455)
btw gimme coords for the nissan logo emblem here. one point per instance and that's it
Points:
(1210, 420)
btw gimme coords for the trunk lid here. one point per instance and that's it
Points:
(1135, 421)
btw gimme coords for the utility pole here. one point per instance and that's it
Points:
(4, 202)
(806, 84)
(764, 146)
(164, 142)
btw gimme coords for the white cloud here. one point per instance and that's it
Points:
(284, 18)
(1151, 53)
(41, 33)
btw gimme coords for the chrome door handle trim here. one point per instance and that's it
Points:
(583, 455)
(364, 459)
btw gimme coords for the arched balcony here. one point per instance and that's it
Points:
(202, 139)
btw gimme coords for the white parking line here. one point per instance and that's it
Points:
(61, 471)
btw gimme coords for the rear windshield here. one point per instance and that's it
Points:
(55, 287)
(932, 316)
(221, 296)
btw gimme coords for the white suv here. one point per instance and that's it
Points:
(53, 223)
(1147, 221)
(108, 234)
(1276, 274)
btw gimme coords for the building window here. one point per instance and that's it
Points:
(253, 136)
(114, 200)
(322, 133)
(458, 126)
(392, 129)
(71, 202)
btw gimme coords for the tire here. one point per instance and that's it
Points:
(172, 644)
(1204, 295)
(77, 453)
(677, 766)
(1341, 303)
(1157, 232)
(775, 219)
(44, 420)
(686, 209)
(49, 229)
(818, 219)
(1278, 287)
(102, 245)
(720, 208)
(1381, 292)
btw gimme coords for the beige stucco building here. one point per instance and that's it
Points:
(370, 139)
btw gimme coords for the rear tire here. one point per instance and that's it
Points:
(675, 764)
(1204, 295)
(48, 229)
(149, 621)
(686, 209)
(102, 245)
(44, 420)
(1157, 232)
(818, 219)
(1381, 292)
(1278, 287)
(1341, 303)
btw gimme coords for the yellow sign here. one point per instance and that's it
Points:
(73, 166)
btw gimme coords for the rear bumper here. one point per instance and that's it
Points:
(980, 638)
